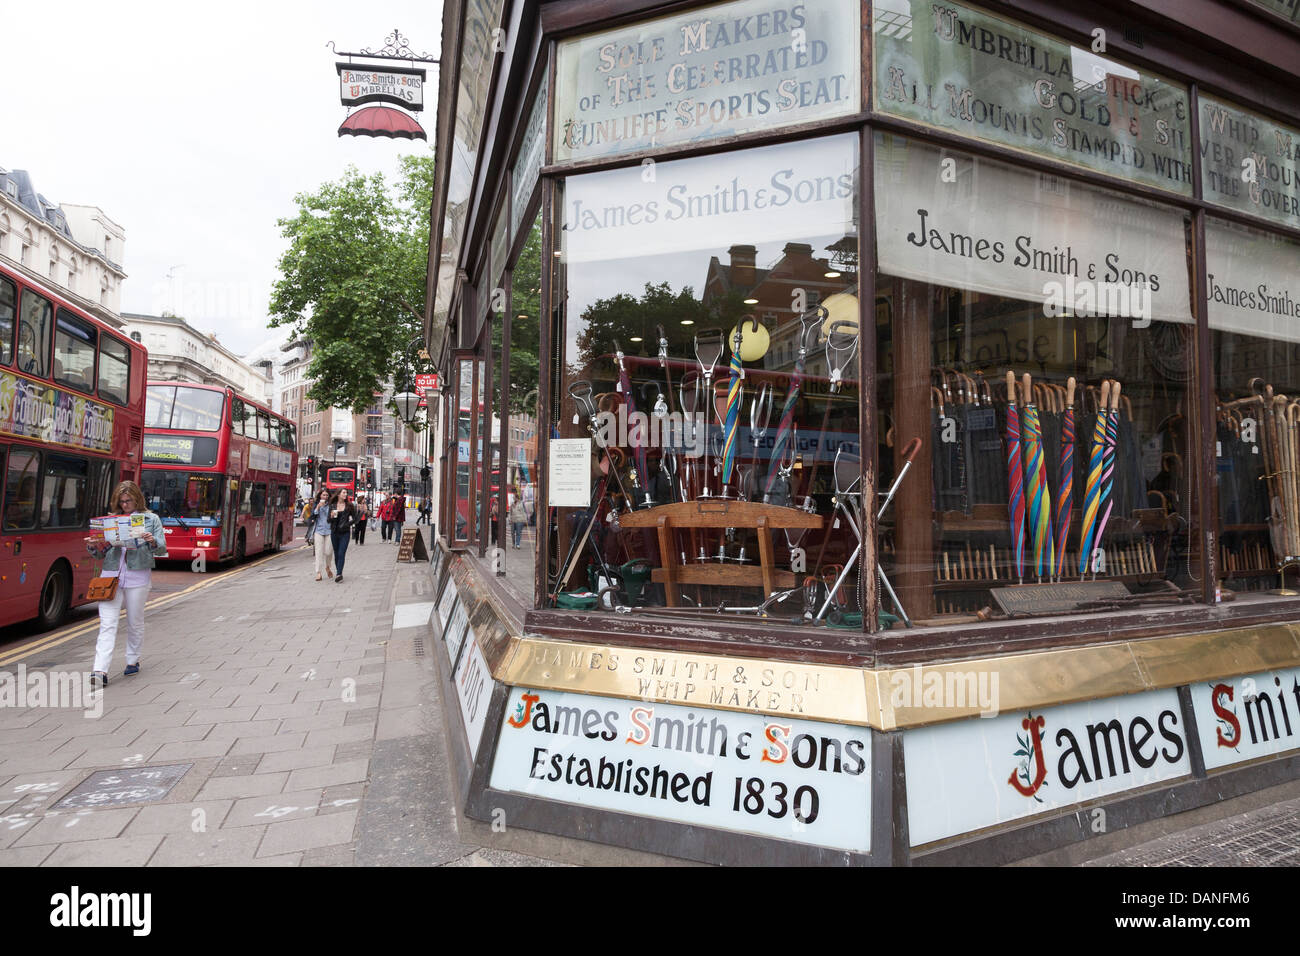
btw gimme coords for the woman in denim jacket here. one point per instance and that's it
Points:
(134, 576)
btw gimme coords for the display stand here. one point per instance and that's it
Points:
(719, 514)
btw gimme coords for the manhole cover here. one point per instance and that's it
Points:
(115, 788)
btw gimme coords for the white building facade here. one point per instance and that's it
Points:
(179, 352)
(77, 250)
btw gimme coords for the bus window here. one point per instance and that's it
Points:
(263, 426)
(34, 335)
(74, 352)
(282, 497)
(257, 504)
(20, 490)
(238, 414)
(159, 402)
(101, 473)
(114, 369)
(198, 409)
(291, 436)
(179, 494)
(8, 308)
(63, 492)
(246, 499)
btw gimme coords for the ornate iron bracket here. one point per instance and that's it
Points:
(396, 47)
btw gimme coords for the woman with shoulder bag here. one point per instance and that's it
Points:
(342, 516)
(318, 532)
(130, 569)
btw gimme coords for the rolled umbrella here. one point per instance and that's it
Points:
(1038, 497)
(1106, 503)
(1092, 490)
(785, 427)
(1065, 488)
(638, 447)
(731, 422)
(1016, 480)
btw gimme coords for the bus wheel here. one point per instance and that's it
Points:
(241, 547)
(56, 596)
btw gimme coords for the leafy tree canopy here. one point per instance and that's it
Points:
(352, 277)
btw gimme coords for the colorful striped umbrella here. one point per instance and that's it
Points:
(1016, 479)
(1092, 490)
(735, 396)
(1105, 502)
(1038, 497)
(1065, 488)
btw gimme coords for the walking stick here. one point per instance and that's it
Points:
(1092, 490)
(1107, 501)
(1038, 495)
(1065, 481)
(1016, 480)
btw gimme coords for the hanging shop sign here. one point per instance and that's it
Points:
(32, 410)
(1245, 718)
(1025, 235)
(977, 75)
(405, 87)
(473, 691)
(569, 473)
(799, 780)
(1249, 163)
(1252, 282)
(972, 774)
(799, 189)
(716, 71)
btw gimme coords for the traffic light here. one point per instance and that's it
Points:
(310, 466)
(424, 473)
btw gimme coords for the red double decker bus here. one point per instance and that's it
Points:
(72, 394)
(341, 476)
(219, 470)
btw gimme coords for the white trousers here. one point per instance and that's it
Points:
(134, 599)
(324, 552)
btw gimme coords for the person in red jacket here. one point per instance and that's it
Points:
(399, 516)
(385, 513)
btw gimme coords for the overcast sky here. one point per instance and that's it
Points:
(193, 127)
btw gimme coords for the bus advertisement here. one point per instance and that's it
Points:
(72, 395)
(219, 471)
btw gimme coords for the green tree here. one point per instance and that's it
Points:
(525, 300)
(351, 279)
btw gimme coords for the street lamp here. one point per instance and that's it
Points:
(408, 406)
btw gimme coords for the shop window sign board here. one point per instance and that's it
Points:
(473, 691)
(978, 773)
(1249, 717)
(783, 778)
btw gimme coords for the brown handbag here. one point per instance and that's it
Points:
(101, 589)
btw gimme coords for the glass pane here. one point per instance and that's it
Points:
(1070, 490)
(8, 309)
(1253, 283)
(198, 409)
(239, 413)
(182, 494)
(34, 335)
(74, 352)
(482, 421)
(709, 377)
(464, 430)
(20, 490)
(159, 402)
(64, 492)
(114, 369)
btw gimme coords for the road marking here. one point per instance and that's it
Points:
(72, 631)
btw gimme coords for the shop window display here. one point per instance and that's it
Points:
(705, 388)
(1253, 307)
(1036, 336)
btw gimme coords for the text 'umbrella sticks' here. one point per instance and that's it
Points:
(1038, 497)
(1015, 480)
(1065, 489)
(1092, 489)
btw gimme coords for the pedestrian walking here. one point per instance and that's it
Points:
(386, 518)
(318, 533)
(133, 569)
(518, 518)
(343, 515)
(359, 529)
(399, 517)
(424, 513)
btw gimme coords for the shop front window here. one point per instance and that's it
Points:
(462, 457)
(1253, 300)
(705, 392)
(1036, 336)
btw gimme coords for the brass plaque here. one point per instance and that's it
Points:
(813, 691)
(1035, 599)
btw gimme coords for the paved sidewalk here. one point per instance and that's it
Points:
(302, 728)
(1268, 836)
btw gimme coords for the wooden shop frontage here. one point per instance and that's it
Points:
(869, 432)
